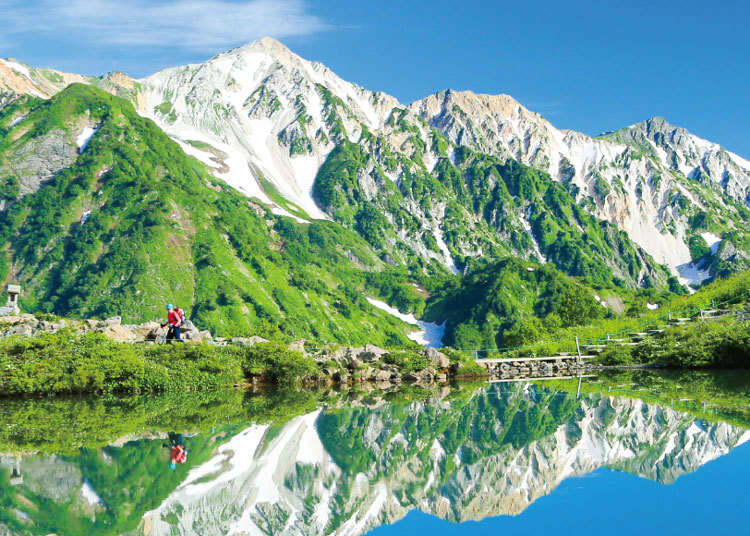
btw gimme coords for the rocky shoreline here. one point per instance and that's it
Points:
(338, 365)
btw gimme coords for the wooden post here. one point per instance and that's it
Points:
(578, 392)
(701, 314)
(578, 347)
(670, 316)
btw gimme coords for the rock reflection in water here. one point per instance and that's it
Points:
(348, 469)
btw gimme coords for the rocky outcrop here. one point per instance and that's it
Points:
(28, 325)
(37, 160)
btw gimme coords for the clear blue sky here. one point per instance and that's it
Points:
(586, 65)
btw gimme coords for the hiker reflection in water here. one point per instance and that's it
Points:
(177, 451)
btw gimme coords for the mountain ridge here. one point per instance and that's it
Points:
(265, 120)
(436, 186)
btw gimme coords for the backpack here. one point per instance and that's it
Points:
(180, 313)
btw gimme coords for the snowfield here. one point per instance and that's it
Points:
(430, 334)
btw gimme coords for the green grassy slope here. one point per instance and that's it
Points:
(486, 206)
(161, 229)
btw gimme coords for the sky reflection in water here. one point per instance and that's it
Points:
(715, 498)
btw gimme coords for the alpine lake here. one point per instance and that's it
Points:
(625, 452)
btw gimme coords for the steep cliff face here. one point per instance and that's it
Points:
(267, 122)
(351, 470)
(650, 179)
(677, 149)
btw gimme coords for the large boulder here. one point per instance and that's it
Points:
(372, 353)
(439, 359)
(189, 332)
(142, 331)
(24, 330)
(158, 332)
(112, 321)
(118, 332)
(297, 346)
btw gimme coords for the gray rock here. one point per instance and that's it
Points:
(383, 375)
(297, 346)
(205, 335)
(24, 330)
(248, 341)
(371, 353)
(439, 359)
(39, 160)
(113, 321)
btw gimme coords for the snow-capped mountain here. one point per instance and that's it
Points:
(289, 483)
(632, 175)
(263, 111)
(266, 121)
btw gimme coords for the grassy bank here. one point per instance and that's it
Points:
(541, 340)
(69, 362)
(718, 344)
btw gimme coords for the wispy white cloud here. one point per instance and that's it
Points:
(205, 25)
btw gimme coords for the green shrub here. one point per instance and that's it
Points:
(67, 362)
(698, 247)
(615, 355)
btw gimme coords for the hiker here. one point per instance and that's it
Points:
(177, 450)
(175, 319)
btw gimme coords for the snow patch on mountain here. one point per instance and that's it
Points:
(18, 120)
(712, 240)
(84, 138)
(693, 273)
(527, 227)
(88, 493)
(430, 334)
(443, 247)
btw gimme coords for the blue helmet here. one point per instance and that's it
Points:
(170, 306)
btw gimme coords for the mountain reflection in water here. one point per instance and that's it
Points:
(333, 463)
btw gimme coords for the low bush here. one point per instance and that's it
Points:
(69, 362)
(616, 355)
(722, 344)
(408, 361)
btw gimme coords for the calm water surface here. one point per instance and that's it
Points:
(623, 453)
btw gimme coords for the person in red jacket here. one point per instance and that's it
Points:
(177, 450)
(174, 320)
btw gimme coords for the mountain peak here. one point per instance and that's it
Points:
(264, 45)
(471, 103)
